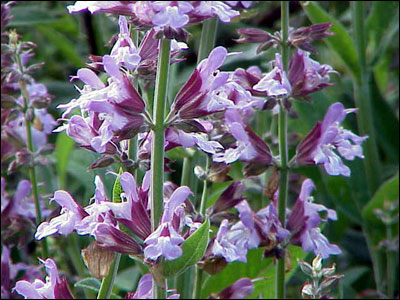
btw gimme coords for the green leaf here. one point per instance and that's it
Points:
(64, 147)
(127, 279)
(254, 267)
(89, 283)
(386, 123)
(387, 192)
(382, 25)
(92, 284)
(341, 43)
(66, 47)
(117, 189)
(193, 250)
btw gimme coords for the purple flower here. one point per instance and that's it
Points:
(124, 50)
(307, 75)
(275, 83)
(243, 287)
(245, 4)
(319, 145)
(144, 289)
(303, 222)
(53, 288)
(168, 15)
(249, 147)
(165, 240)
(198, 97)
(215, 8)
(71, 213)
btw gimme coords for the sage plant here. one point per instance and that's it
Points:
(163, 227)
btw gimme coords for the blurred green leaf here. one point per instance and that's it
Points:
(66, 47)
(341, 43)
(92, 284)
(64, 147)
(387, 192)
(382, 24)
(193, 250)
(386, 123)
(28, 15)
(126, 280)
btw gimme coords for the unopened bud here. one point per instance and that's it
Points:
(317, 263)
(10, 136)
(305, 268)
(41, 102)
(325, 272)
(7, 101)
(98, 259)
(23, 157)
(307, 291)
(328, 284)
(102, 162)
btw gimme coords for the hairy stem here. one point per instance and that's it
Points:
(157, 151)
(283, 152)
(29, 144)
(108, 281)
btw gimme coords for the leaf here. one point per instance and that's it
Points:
(89, 283)
(92, 284)
(127, 279)
(193, 250)
(233, 271)
(117, 189)
(382, 25)
(341, 42)
(66, 47)
(387, 192)
(386, 123)
(64, 147)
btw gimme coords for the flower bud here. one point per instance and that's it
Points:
(7, 101)
(305, 268)
(30, 115)
(102, 162)
(98, 259)
(328, 284)
(200, 173)
(307, 292)
(317, 263)
(325, 272)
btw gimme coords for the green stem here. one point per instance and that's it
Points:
(108, 281)
(198, 280)
(391, 263)
(157, 151)
(29, 142)
(283, 152)
(207, 40)
(365, 124)
(363, 101)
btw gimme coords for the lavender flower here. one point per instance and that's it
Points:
(249, 147)
(165, 240)
(170, 15)
(53, 288)
(303, 222)
(319, 145)
(144, 289)
(242, 288)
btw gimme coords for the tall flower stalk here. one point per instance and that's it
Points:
(283, 150)
(29, 142)
(157, 153)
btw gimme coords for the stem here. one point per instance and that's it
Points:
(108, 281)
(157, 151)
(365, 124)
(197, 283)
(29, 142)
(207, 40)
(363, 101)
(391, 263)
(283, 152)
